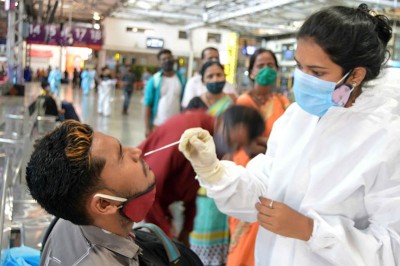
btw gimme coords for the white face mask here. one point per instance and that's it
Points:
(135, 208)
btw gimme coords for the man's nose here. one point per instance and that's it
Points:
(135, 153)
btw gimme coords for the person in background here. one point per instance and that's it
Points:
(97, 187)
(80, 78)
(93, 81)
(195, 86)
(238, 128)
(128, 80)
(174, 174)
(46, 103)
(145, 76)
(54, 79)
(163, 92)
(271, 105)
(214, 100)
(47, 106)
(75, 78)
(260, 59)
(86, 80)
(325, 191)
(210, 236)
(27, 74)
(69, 111)
(106, 87)
(66, 77)
(38, 75)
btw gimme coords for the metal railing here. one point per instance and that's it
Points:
(12, 144)
(20, 125)
(15, 145)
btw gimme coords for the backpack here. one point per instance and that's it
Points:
(157, 248)
(46, 105)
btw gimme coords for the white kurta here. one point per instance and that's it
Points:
(342, 170)
(170, 98)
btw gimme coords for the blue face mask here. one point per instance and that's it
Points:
(314, 95)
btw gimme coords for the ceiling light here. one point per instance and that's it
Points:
(96, 26)
(143, 4)
(96, 16)
(297, 24)
(212, 4)
(268, 31)
(149, 32)
(205, 16)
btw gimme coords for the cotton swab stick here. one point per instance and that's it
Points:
(162, 148)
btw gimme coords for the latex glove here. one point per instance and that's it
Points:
(198, 147)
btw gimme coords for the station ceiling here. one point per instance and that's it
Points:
(258, 18)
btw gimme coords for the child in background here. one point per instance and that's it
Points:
(46, 103)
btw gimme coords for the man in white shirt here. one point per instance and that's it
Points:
(163, 92)
(195, 86)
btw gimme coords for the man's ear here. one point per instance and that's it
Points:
(100, 206)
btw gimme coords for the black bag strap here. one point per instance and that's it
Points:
(173, 252)
(47, 233)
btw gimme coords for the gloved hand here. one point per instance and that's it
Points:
(198, 147)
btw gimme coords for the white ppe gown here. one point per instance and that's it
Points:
(342, 170)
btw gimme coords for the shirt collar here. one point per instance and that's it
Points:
(108, 240)
(162, 72)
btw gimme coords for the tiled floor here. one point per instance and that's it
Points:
(128, 129)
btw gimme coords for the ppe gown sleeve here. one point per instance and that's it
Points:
(237, 192)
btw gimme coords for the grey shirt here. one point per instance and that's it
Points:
(70, 244)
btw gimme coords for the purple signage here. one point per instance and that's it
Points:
(67, 36)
